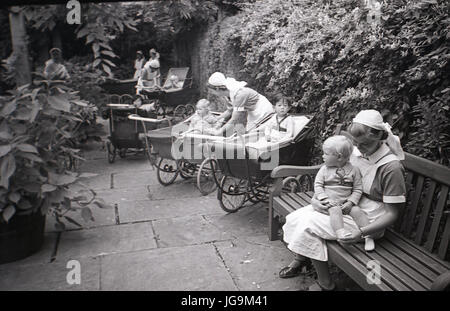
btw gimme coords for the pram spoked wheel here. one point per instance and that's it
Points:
(111, 151)
(167, 171)
(180, 112)
(232, 193)
(190, 110)
(206, 176)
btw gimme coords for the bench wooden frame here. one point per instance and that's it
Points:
(413, 254)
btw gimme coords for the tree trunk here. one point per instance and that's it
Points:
(20, 48)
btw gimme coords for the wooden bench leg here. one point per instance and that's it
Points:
(274, 225)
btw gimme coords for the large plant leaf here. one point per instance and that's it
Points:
(60, 179)
(27, 148)
(59, 102)
(86, 213)
(8, 108)
(4, 150)
(7, 168)
(8, 212)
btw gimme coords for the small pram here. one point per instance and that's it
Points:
(125, 135)
(175, 97)
(179, 154)
(246, 162)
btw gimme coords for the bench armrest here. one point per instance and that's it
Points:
(442, 282)
(281, 172)
(291, 170)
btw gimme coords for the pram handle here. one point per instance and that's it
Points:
(121, 105)
(151, 120)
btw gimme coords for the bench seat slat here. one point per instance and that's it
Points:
(438, 266)
(396, 258)
(406, 260)
(294, 204)
(352, 266)
(300, 201)
(306, 196)
(281, 207)
(407, 277)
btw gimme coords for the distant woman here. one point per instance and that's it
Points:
(138, 64)
(54, 69)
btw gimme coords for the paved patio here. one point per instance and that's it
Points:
(156, 238)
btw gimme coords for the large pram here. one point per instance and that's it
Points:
(246, 162)
(125, 135)
(175, 97)
(179, 152)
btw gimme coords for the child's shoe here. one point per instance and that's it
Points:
(369, 245)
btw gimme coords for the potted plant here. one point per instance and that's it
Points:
(38, 125)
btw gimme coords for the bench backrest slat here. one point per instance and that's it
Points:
(443, 247)
(412, 210)
(438, 215)
(426, 167)
(401, 224)
(425, 220)
(425, 211)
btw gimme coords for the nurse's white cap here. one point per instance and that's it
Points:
(217, 79)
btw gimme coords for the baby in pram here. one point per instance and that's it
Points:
(203, 121)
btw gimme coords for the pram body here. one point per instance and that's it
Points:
(247, 161)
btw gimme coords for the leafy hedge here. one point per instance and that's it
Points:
(333, 62)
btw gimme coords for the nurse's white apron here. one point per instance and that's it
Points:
(262, 109)
(306, 230)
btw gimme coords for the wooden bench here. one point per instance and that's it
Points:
(413, 254)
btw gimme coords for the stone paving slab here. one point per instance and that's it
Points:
(116, 196)
(179, 189)
(142, 210)
(187, 230)
(135, 179)
(130, 164)
(50, 276)
(247, 221)
(167, 269)
(104, 240)
(254, 263)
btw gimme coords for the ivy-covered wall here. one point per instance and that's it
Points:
(337, 57)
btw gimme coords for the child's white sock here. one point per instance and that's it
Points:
(369, 245)
(340, 233)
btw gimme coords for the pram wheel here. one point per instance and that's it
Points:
(206, 182)
(232, 193)
(167, 171)
(190, 110)
(111, 152)
(291, 184)
(180, 112)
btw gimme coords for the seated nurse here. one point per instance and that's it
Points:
(377, 154)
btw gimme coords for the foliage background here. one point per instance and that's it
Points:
(326, 56)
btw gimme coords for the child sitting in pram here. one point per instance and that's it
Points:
(203, 121)
(281, 125)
